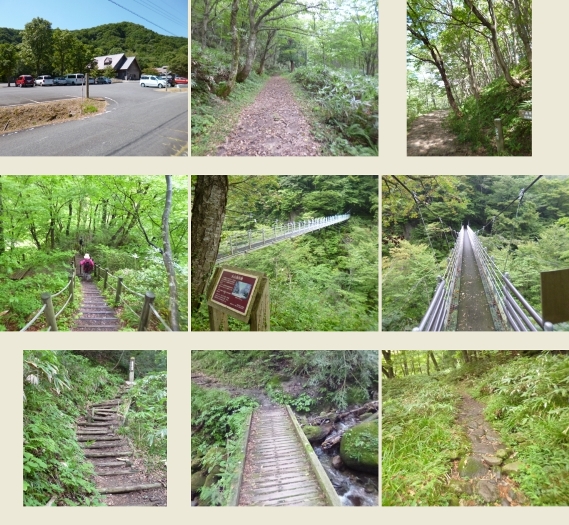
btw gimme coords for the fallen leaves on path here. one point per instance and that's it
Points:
(272, 126)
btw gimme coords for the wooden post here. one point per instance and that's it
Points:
(72, 286)
(217, 320)
(260, 314)
(131, 370)
(145, 314)
(119, 290)
(105, 281)
(499, 135)
(49, 312)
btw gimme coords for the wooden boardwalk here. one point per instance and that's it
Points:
(277, 470)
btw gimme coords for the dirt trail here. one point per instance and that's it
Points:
(272, 126)
(427, 137)
(118, 474)
(484, 473)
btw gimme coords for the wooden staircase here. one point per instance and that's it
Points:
(96, 315)
(113, 460)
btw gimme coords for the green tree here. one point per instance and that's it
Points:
(36, 46)
(8, 61)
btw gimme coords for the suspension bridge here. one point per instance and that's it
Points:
(473, 294)
(244, 242)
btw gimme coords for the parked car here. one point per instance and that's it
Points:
(152, 81)
(59, 81)
(25, 80)
(75, 78)
(167, 80)
(44, 80)
(103, 80)
(181, 80)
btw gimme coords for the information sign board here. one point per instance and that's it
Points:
(235, 291)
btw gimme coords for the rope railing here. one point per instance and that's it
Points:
(47, 308)
(243, 242)
(120, 288)
(437, 315)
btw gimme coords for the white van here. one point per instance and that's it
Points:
(152, 81)
(75, 78)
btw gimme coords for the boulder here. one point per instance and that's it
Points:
(196, 464)
(488, 490)
(460, 487)
(472, 467)
(493, 461)
(197, 482)
(502, 453)
(317, 433)
(359, 447)
(508, 468)
(337, 462)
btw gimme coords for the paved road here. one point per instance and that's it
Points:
(138, 122)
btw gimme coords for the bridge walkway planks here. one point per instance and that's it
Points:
(277, 471)
(474, 312)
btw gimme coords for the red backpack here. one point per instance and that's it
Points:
(88, 265)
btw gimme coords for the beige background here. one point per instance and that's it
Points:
(549, 151)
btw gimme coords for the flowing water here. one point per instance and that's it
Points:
(356, 489)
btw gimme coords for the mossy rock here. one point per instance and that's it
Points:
(316, 433)
(213, 476)
(472, 467)
(359, 447)
(197, 482)
(213, 455)
(196, 464)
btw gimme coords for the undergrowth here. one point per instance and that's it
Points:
(57, 386)
(497, 100)
(419, 438)
(146, 418)
(348, 103)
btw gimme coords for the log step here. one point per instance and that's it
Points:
(107, 454)
(130, 488)
(115, 472)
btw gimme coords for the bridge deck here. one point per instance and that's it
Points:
(277, 471)
(473, 310)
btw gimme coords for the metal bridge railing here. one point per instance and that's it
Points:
(242, 242)
(508, 301)
(436, 318)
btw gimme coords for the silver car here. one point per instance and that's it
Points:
(44, 80)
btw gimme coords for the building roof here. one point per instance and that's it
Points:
(128, 62)
(111, 60)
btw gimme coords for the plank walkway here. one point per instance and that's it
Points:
(277, 471)
(96, 315)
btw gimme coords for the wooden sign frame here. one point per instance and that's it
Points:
(225, 298)
(555, 296)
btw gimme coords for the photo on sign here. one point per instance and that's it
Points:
(241, 290)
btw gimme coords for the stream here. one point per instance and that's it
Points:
(356, 489)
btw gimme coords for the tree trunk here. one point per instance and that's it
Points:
(388, 370)
(491, 25)
(208, 214)
(432, 355)
(245, 71)
(522, 30)
(235, 48)
(168, 260)
(271, 34)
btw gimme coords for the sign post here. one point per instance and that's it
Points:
(131, 370)
(241, 294)
(555, 296)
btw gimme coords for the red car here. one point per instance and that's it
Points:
(181, 80)
(25, 80)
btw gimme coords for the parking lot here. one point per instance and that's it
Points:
(16, 96)
(138, 121)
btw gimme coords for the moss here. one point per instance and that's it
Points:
(359, 447)
(356, 395)
(314, 433)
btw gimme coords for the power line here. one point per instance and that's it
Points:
(136, 14)
(159, 10)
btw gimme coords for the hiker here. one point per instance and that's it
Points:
(80, 244)
(87, 265)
